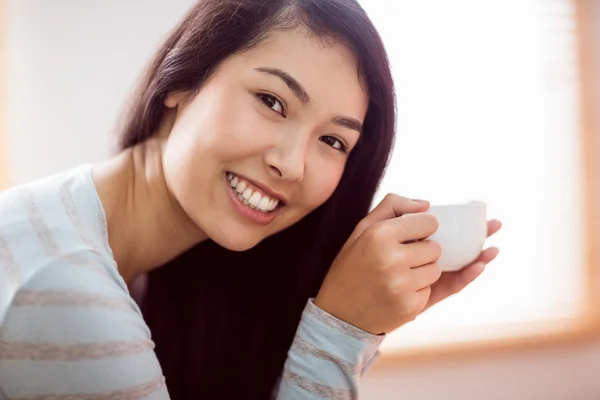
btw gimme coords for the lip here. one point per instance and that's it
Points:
(258, 217)
(264, 188)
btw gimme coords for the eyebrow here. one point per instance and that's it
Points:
(292, 83)
(300, 93)
(349, 123)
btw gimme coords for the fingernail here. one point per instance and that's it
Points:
(419, 201)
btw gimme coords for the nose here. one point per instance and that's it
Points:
(287, 158)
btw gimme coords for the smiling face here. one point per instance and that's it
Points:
(266, 139)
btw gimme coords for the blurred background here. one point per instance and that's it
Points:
(498, 100)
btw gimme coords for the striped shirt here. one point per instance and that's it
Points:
(70, 330)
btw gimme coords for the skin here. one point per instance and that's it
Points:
(249, 119)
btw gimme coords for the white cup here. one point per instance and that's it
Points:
(461, 234)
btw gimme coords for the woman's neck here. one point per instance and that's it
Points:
(146, 225)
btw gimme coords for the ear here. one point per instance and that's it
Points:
(174, 99)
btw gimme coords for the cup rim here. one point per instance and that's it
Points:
(474, 203)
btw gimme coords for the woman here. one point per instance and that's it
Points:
(250, 156)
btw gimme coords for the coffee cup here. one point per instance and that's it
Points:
(461, 233)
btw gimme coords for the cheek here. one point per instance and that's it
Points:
(244, 134)
(236, 133)
(321, 182)
(219, 131)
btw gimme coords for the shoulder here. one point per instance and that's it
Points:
(49, 219)
(68, 326)
(61, 204)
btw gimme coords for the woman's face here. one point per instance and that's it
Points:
(266, 139)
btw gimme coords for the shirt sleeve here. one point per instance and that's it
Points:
(326, 359)
(74, 332)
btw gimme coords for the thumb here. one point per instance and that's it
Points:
(392, 206)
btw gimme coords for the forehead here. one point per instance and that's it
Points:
(326, 68)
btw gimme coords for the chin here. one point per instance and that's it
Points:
(236, 243)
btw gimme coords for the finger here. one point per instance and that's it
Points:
(409, 227)
(453, 282)
(493, 226)
(424, 276)
(488, 255)
(421, 253)
(392, 206)
(422, 297)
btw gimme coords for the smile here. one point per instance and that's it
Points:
(250, 201)
(251, 196)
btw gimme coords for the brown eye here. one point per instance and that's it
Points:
(335, 143)
(272, 102)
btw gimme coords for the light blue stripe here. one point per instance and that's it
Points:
(68, 325)
(26, 378)
(306, 364)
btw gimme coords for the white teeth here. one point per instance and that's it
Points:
(241, 186)
(249, 197)
(255, 199)
(264, 204)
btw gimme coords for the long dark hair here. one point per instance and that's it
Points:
(223, 321)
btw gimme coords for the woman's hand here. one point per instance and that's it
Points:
(381, 279)
(386, 274)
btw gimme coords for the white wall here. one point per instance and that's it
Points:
(71, 64)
